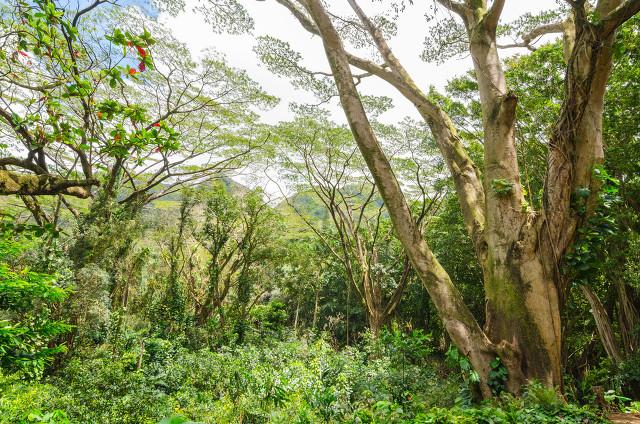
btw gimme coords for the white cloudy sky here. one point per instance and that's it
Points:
(273, 19)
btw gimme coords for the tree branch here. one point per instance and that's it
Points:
(619, 15)
(456, 7)
(35, 185)
(493, 16)
(457, 319)
(533, 35)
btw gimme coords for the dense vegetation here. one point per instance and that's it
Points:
(168, 257)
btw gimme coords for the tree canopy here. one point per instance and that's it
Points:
(167, 253)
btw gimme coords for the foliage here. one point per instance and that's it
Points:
(219, 304)
(27, 329)
(498, 376)
(501, 187)
(277, 381)
(585, 257)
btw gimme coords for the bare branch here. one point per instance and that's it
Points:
(456, 7)
(531, 37)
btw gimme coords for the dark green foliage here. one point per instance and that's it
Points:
(279, 382)
(586, 257)
(271, 318)
(497, 376)
(469, 389)
(27, 298)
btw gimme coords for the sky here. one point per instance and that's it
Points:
(273, 19)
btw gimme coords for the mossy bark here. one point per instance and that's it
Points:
(520, 251)
(37, 185)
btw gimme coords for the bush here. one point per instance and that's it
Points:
(301, 381)
(304, 381)
(27, 299)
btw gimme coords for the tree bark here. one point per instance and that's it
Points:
(39, 215)
(603, 324)
(35, 185)
(628, 317)
(520, 251)
(457, 318)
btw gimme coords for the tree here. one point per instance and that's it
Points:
(91, 99)
(84, 103)
(238, 233)
(595, 262)
(321, 159)
(520, 250)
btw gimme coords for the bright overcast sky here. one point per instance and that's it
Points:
(273, 19)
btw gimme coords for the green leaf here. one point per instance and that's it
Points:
(177, 419)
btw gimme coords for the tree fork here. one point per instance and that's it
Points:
(457, 319)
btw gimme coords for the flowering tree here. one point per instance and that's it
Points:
(85, 104)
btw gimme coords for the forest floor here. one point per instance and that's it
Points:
(625, 418)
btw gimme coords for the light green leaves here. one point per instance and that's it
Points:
(501, 187)
(177, 419)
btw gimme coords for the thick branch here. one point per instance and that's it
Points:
(464, 172)
(493, 16)
(35, 185)
(620, 15)
(576, 144)
(22, 163)
(457, 319)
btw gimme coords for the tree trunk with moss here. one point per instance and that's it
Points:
(520, 250)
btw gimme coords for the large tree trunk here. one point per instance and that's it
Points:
(521, 299)
(520, 252)
(522, 307)
(456, 317)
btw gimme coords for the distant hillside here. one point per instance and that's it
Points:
(307, 204)
(231, 185)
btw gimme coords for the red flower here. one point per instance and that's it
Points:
(142, 67)
(132, 71)
(157, 124)
(23, 53)
(157, 150)
(142, 52)
(129, 43)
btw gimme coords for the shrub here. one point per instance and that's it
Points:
(27, 298)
